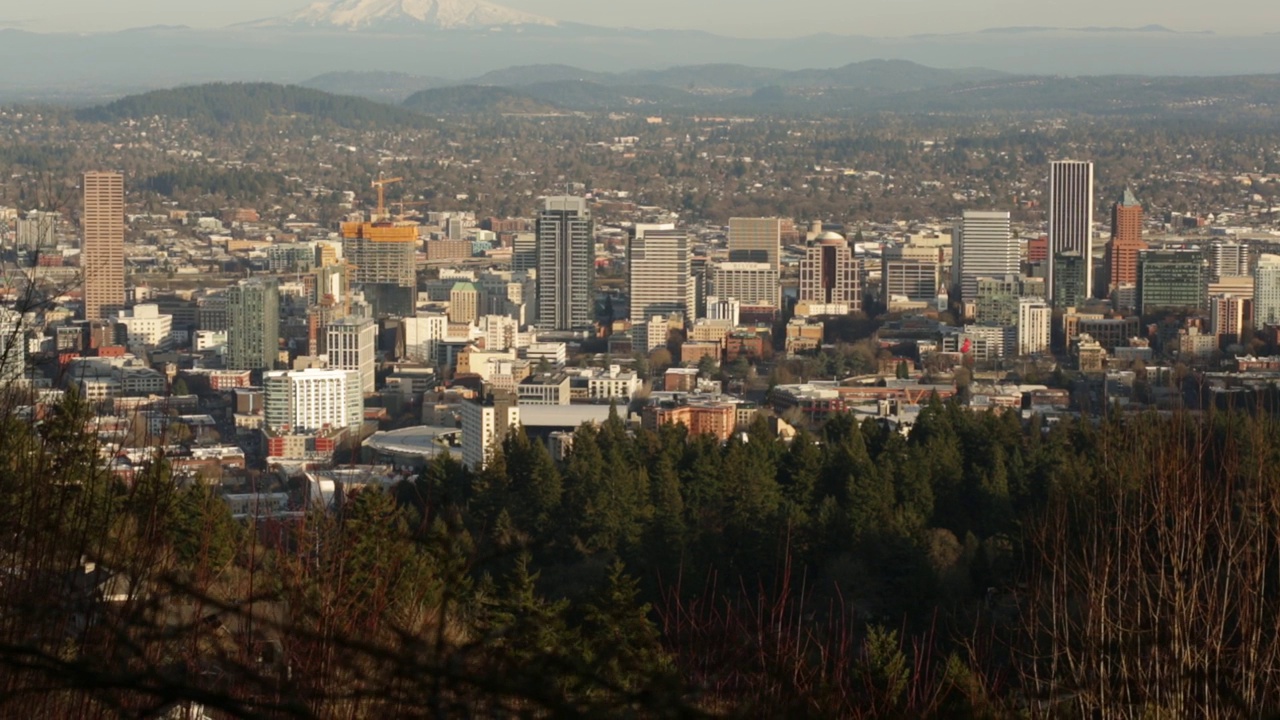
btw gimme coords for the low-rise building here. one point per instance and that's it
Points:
(545, 389)
(699, 417)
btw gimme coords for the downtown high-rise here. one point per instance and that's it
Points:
(661, 281)
(1071, 217)
(1126, 241)
(984, 247)
(566, 264)
(755, 240)
(253, 324)
(102, 254)
(1266, 292)
(831, 276)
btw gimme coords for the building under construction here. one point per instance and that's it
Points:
(382, 254)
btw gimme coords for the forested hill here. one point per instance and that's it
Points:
(227, 103)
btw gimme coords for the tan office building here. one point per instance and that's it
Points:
(102, 255)
(755, 240)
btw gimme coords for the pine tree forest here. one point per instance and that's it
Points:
(981, 566)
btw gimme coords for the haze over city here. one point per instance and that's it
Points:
(748, 18)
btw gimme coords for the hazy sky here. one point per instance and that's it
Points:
(730, 17)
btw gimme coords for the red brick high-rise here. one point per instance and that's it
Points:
(1126, 241)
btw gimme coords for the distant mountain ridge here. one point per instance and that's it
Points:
(454, 39)
(403, 15)
(871, 75)
(230, 103)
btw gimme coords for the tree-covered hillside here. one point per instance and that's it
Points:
(227, 103)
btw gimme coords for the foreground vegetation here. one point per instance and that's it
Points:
(979, 568)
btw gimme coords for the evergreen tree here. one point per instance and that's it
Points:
(622, 644)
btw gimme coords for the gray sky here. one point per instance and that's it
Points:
(753, 18)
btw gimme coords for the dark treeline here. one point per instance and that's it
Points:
(224, 103)
(981, 567)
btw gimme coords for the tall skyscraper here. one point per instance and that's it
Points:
(1266, 291)
(253, 324)
(1126, 241)
(830, 274)
(566, 264)
(660, 278)
(1071, 214)
(984, 247)
(102, 255)
(352, 345)
(755, 240)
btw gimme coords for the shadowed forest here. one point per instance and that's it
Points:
(981, 567)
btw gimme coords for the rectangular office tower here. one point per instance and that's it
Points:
(831, 276)
(1071, 215)
(253, 324)
(102, 255)
(661, 280)
(1266, 291)
(352, 345)
(755, 240)
(984, 247)
(1172, 281)
(566, 264)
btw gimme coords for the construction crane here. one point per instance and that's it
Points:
(402, 205)
(381, 183)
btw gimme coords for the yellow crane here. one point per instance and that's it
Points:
(381, 183)
(402, 205)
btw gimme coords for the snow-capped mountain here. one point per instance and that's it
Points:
(357, 15)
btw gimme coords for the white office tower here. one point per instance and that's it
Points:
(13, 347)
(352, 345)
(1035, 319)
(485, 424)
(501, 333)
(1227, 259)
(728, 309)
(660, 279)
(566, 265)
(420, 337)
(755, 240)
(749, 283)
(1266, 291)
(984, 247)
(1071, 216)
(312, 400)
(144, 325)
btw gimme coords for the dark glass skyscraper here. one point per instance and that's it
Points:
(1071, 215)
